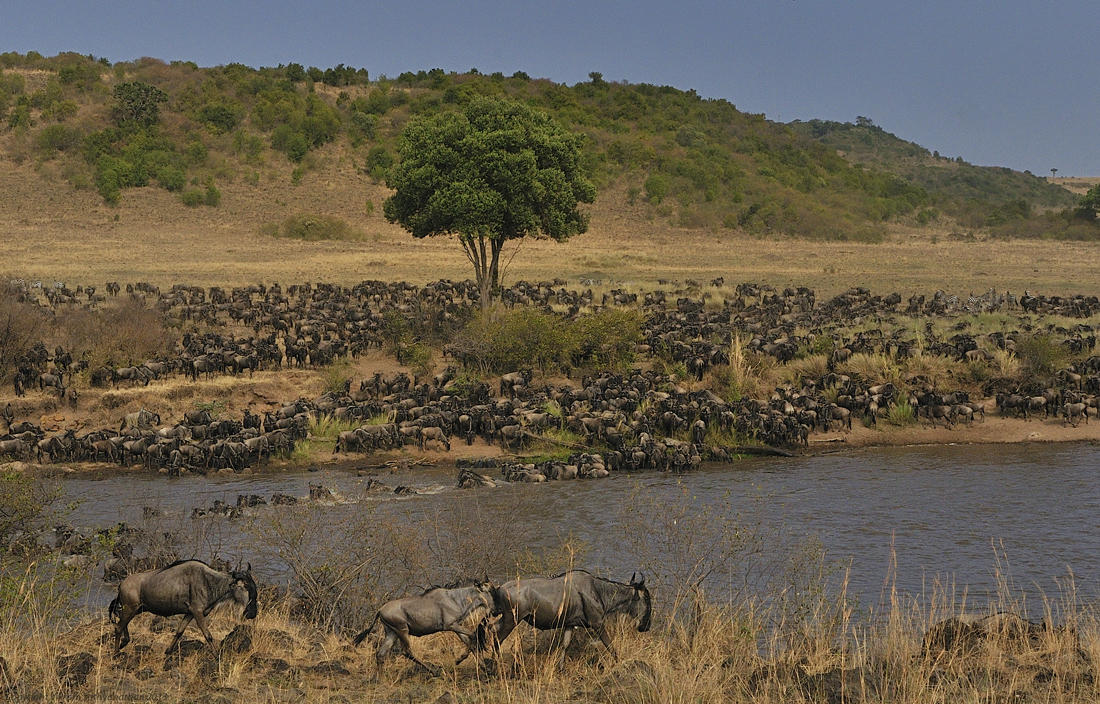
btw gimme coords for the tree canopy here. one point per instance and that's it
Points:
(497, 171)
(1089, 204)
(138, 103)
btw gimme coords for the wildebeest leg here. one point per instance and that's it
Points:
(200, 620)
(179, 632)
(605, 638)
(406, 648)
(566, 639)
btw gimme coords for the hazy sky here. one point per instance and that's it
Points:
(999, 82)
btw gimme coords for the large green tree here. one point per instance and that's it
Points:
(497, 171)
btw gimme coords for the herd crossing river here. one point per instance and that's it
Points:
(968, 515)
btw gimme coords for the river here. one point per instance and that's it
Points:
(968, 514)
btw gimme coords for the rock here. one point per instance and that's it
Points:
(145, 673)
(250, 501)
(331, 668)
(186, 649)
(275, 665)
(279, 499)
(73, 670)
(115, 570)
(239, 640)
(280, 640)
(77, 562)
(158, 624)
(446, 698)
(320, 493)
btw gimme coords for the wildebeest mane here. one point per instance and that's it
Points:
(180, 562)
(456, 583)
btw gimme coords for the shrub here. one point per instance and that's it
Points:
(58, 138)
(607, 339)
(127, 334)
(312, 228)
(193, 197)
(379, 161)
(417, 356)
(21, 324)
(23, 502)
(171, 178)
(901, 413)
(1040, 354)
(656, 188)
(500, 340)
(212, 196)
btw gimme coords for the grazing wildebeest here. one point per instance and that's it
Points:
(434, 434)
(460, 610)
(189, 587)
(575, 599)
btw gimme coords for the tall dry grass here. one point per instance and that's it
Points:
(906, 650)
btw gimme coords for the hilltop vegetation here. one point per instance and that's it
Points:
(684, 160)
(1006, 201)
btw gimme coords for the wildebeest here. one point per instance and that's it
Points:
(460, 610)
(189, 587)
(141, 420)
(1073, 413)
(574, 599)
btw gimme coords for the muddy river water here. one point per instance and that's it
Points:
(965, 514)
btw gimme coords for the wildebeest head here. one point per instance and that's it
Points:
(244, 591)
(641, 604)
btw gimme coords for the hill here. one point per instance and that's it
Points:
(977, 196)
(667, 154)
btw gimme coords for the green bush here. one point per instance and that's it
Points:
(656, 188)
(1040, 355)
(901, 413)
(212, 196)
(58, 138)
(24, 503)
(606, 340)
(417, 356)
(171, 178)
(501, 340)
(193, 197)
(223, 115)
(379, 161)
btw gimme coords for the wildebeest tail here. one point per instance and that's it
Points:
(366, 632)
(114, 610)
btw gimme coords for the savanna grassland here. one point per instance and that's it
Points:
(689, 190)
(55, 233)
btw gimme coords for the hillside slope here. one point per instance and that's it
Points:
(977, 195)
(666, 154)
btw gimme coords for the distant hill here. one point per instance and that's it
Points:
(976, 195)
(665, 152)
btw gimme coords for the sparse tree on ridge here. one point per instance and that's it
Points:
(138, 103)
(497, 171)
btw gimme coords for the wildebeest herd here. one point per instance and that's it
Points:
(641, 419)
(481, 613)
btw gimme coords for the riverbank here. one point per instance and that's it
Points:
(994, 429)
(910, 653)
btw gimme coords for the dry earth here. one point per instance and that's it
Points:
(52, 232)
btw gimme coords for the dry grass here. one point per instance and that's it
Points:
(828, 651)
(54, 232)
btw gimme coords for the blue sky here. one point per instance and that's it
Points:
(1002, 82)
